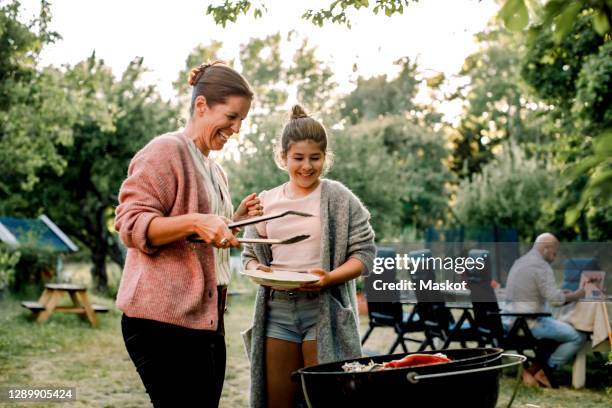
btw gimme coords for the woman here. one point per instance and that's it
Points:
(318, 323)
(172, 292)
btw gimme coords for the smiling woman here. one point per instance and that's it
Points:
(172, 292)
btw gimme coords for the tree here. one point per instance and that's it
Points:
(572, 31)
(572, 75)
(407, 162)
(335, 12)
(263, 67)
(496, 105)
(115, 119)
(378, 96)
(35, 117)
(509, 191)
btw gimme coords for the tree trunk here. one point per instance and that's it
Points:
(99, 250)
(98, 268)
(117, 252)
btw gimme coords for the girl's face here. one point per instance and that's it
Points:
(304, 162)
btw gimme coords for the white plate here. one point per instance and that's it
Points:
(279, 279)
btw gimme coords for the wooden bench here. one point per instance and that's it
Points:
(48, 303)
(39, 307)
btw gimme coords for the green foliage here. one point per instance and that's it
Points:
(35, 116)
(8, 260)
(592, 108)
(378, 96)
(263, 67)
(230, 10)
(35, 266)
(407, 163)
(552, 69)
(515, 15)
(573, 75)
(335, 12)
(555, 16)
(508, 192)
(312, 77)
(496, 108)
(599, 168)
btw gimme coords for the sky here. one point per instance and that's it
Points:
(438, 33)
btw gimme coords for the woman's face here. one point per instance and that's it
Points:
(218, 123)
(304, 162)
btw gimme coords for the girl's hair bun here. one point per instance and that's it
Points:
(298, 112)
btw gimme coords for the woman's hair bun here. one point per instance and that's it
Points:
(196, 73)
(298, 112)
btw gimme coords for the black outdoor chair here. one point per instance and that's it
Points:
(488, 320)
(437, 317)
(390, 313)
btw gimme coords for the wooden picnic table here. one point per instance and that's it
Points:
(48, 303)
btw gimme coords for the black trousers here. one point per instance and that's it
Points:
(179, 367)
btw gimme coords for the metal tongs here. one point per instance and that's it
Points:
(255, 220)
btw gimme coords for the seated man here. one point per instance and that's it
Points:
(530, 286)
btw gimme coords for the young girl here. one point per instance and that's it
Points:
(317, 323)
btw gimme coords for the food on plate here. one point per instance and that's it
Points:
(357, 367)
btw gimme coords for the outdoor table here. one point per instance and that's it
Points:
(48, 303)
(589, 316)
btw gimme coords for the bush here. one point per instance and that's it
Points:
(35, 267)
(8, 260)
(509, 192)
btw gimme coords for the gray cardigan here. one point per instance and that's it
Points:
(345, 233)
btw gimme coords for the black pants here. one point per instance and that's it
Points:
(179, 367)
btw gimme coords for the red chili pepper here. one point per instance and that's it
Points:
(417, 359)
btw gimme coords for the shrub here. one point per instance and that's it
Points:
(8, 260)
(35, 267)
(508, 192)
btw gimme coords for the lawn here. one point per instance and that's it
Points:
(67, 352)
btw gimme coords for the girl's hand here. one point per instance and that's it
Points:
(324, 281)
(254, 265)
(250, 206)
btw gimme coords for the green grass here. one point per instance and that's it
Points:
(66, 351)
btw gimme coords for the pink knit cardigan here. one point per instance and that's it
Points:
(174, 283)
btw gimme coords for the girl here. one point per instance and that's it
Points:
(317, 323)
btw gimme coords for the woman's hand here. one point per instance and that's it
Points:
(325, 280)
(213, 230)
(250, 206)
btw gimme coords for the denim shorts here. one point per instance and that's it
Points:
(292, 316)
